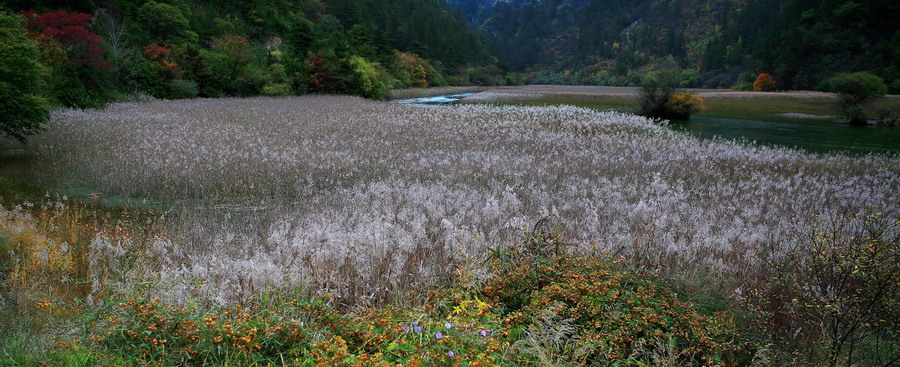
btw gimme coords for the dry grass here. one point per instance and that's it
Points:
(531, 92)
(725, 103)
(372, 201)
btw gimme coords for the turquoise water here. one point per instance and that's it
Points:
(439, 100)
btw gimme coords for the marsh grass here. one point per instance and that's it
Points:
(464, 323)
(373, 202)
(361, 203)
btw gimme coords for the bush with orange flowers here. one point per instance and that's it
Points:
(764, 83)
(544, 305)
(614, 314)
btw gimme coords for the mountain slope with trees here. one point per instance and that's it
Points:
(710, 43)
(96, 51)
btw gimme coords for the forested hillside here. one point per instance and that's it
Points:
(710, 43)
(94, 51)
(803, 42)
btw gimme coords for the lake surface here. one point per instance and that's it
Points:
(439, 100)
(816, 136)
(813, 136)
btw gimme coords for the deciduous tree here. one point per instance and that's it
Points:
(764, 83)
(72, 31)
(166, 22)
(23, 109)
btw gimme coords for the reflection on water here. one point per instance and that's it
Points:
(439, 100)
(813, 136)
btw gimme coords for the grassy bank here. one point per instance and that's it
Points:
(773, 106)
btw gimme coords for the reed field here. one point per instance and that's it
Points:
(368, 204)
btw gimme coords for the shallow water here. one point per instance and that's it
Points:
(813, 136)
(439, 100)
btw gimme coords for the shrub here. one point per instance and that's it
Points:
(895, 87)
(560, 308)
(884, 116)
(305, 332)
(852, 110)
(854, 89)
(681, 105)
(182, 89)
(658, 99)
(366, 78)
(656, 90)
(742, 86)
(607, 312)
(23, 109)
(835, 298)
(690, 78)
(276, 89)
(861, 85)
(764, 83)
(415, 71)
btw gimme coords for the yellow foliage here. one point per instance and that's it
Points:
(684, 103)
(57, 253)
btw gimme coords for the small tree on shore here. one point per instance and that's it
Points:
(659, 99)
(855, 89)
(764, 83)
(656, 89)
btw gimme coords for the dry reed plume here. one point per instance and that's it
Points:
(369, 200)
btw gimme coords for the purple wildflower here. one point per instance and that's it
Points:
(405, 328)
(438, 335)
(448, 325)
(415, 324)
(451, 353)
(417, 329)
(484, 333)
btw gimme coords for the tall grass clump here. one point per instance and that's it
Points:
(59, 259)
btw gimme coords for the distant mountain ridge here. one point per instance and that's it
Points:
(567, 33)
(713, 43)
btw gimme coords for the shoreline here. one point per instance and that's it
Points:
(805, 106)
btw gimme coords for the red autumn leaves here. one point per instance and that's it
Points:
(72, 32)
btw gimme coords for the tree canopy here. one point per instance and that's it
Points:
(22, 106)
(711, 43)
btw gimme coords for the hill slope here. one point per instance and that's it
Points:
(184, 48)
(615, 41)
